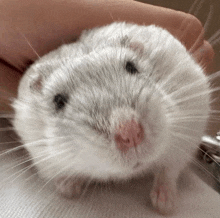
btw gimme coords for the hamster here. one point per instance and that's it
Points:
(123, 100)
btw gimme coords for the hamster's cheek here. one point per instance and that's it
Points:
(154, 120)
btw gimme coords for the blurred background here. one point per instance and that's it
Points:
(201, 9)
(208, 12)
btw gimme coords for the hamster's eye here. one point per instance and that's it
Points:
(130, 67)
(60, 101)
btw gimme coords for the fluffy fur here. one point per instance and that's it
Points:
(167, 95)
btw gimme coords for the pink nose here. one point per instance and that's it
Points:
(129, 134)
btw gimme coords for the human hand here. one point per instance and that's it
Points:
(30, 29)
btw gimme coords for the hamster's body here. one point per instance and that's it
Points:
(78, 105)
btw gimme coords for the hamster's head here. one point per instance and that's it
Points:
(103, 114)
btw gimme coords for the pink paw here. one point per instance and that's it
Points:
(163, 199)
(69, 187)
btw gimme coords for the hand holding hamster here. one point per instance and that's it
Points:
(30, 31)
(122, 100)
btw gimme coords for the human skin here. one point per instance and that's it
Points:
(32, 28)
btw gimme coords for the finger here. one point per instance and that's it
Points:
(34, 29)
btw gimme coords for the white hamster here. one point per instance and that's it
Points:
(122, 100)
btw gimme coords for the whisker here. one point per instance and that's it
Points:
(19, 173)
(196, 95)
(191, 85)
(86, 188)
(198, 7)
(196, 114)
(58, 173)
(26, 161)
(70, 119)
(54, 176)
(187, 119)
(28, 42)
(205, 170)
(183, 24)
(111, 15)
(215, 36)
(184, 127)
(214, 76)
(215, 112)
(214, 121)
(7, 143)
(195, 10)
(193, 112)
(186, 87)
(215, 42)
(50, 166)
(22, 171)
(6, 129)
(185, 137)
(214, 100)
(6, 116)
(182, 136)
(209, 17)
(201, 119)
(193, 7)
(23, 146)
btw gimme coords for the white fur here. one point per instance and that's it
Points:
(80, 139)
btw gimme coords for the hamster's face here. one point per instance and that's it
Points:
(103, 115)
(111, 112)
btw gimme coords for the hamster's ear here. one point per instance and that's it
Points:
(36, 83)
(137, 47)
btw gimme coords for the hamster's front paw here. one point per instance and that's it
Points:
(69, 187)
(164, 194)
(164, 199)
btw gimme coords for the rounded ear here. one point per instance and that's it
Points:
(37, 84)
(137, 47)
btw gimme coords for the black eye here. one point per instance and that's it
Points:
(130, 67)
(60, 101)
